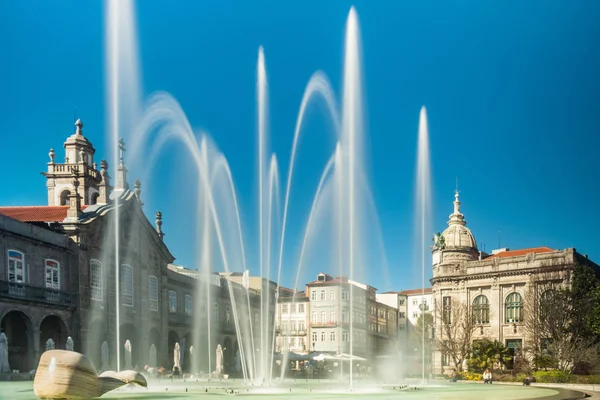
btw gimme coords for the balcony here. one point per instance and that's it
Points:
(20, 291)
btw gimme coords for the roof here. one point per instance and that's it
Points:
(331, 281)
(415, 292)
(522, 252)
(36, 213)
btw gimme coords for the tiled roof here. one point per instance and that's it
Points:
(522, 252)
(415, 292)
(36, 213)
(331, 281)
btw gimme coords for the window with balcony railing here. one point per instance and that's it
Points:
(153, 293)
(172, 301)
(16, 272)
(126, 285)
(188, 305)
(96, 280)
(52, 280)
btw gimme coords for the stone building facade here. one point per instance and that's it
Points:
(58, 274)
(492, 287)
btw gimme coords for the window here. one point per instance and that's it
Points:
(415, 301)
(292, 342)
(401, 301)
(314, 317)
(345, 295)
(313, 295)
(322, 295)
(256, 318)
(172, 301)
(548, 301)
(188, 305)
(331, 294)
(293, 326)
(446, 310)
(332, 316)
(16, 267)
(300, 308)
(323, 317)
(402, 314)
(284, 308)
(215, 313)
(301, 325)
(344, 315)
(96, 279)
(481, 310)
(153, 293)
(513, 308)
(314, 336)
(344, 336)
(52, 275)
(322, 336)
(332, 336)
(414, 314)
(126, 285)
(284, 327)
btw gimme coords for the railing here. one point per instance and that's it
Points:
(45, 295)
(67, 169)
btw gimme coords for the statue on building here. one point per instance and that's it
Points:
(219, 360)
(439, 242)
(152, 356)
(128, 354)
(4, 366)
(104, 355)
(70, 345)
(50, 344)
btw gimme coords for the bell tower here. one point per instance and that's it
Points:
(78, 165)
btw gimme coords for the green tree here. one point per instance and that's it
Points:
(585, 299)
(488, 354)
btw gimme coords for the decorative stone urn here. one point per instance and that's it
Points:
(65, 374)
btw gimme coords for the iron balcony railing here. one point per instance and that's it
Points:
(39, 294)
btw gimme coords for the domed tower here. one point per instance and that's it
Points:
(79, 164)
(456, 243)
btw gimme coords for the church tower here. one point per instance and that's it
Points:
(79, 165)
(456, 243)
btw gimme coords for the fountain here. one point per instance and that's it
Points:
(343, 191)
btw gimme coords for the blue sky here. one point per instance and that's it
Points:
(512, 91)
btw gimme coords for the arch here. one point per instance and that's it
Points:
(64, 197)
(94, 198)
(19, 330)
(154, 339)
(481, 310)
(186, 366)
(513, 308)
(53, 327)
(96, 336)
(173, 338)
(130, 332)
(228, 355)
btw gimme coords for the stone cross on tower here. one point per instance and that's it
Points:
(121, 183)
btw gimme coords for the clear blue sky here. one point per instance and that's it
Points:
(512, 90)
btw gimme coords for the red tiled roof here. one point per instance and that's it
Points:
(415, 292)
(36, 213)
(522, 252)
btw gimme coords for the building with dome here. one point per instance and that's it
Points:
(491, 288)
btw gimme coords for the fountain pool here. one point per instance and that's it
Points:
(324, 389)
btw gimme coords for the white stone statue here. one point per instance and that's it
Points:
(177, 356)
(4, 366)
(50, 344)
(192, 361)
(128, 354)
(219, 369)
(70, 344)
(238, 361)
(104, 350)
(152, 356)
(182, 353)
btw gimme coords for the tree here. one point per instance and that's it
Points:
(585, 300)
(456, 327)
(488, 354)
(424, 322)
(560, 335)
